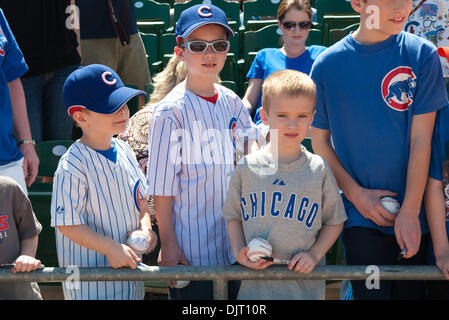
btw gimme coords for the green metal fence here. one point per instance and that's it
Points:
(220, 275)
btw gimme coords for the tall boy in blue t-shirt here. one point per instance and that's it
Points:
(377, 93)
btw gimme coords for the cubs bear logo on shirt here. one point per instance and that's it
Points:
(398, 88)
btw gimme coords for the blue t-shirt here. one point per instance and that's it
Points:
(95, 20)
(12, 66)
(270, 60)
(367, 96)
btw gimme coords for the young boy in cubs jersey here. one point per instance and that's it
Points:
(194, 131)
(284, 194)
(378, 90)
(98, 188)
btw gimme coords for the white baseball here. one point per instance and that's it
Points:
(138, 241)
(391, 204)
(259, 247)
(181, 283)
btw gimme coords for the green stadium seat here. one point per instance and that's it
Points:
(49, 153)
(267, 37)
(337, 22)
(167, 46)
(315, 37)
(169, 2)
(152, 16)
(258, 14)
(230, 85)
(337, 34)
(332, 7)
(228, 73)
(333, 14)
(151, 44)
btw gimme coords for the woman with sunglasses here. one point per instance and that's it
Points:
(294, 20)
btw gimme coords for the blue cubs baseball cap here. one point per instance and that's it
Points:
(200, 15)
(97, 88)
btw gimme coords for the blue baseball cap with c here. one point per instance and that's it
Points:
(97, 88)
(199, 15)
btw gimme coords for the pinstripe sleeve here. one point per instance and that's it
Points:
(68, 199)
(164, 157)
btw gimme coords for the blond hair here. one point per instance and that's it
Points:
(287, 83)
(174, 73)
(301, 5)
(163, 82)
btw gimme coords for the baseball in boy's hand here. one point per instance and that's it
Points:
(138, 241)
(391, 204)
(258, 248)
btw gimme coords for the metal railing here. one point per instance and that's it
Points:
(220, 275)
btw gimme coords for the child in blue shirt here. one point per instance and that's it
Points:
(378, 90)
(18, 160)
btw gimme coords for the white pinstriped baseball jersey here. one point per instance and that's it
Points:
(92, 190)
(191, 157)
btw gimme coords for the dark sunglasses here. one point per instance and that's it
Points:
(290, 25)
(198, 46)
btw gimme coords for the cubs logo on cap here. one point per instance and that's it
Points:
(97, 88)
(205, 11)
(398, 88)
(200, 15)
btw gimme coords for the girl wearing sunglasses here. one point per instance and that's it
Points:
(294, 20)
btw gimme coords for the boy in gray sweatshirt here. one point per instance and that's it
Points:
(285, 194)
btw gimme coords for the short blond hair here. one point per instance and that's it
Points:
(287, 83)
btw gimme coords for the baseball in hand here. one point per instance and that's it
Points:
(258, 248)
(138, 241)
(391, 204)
